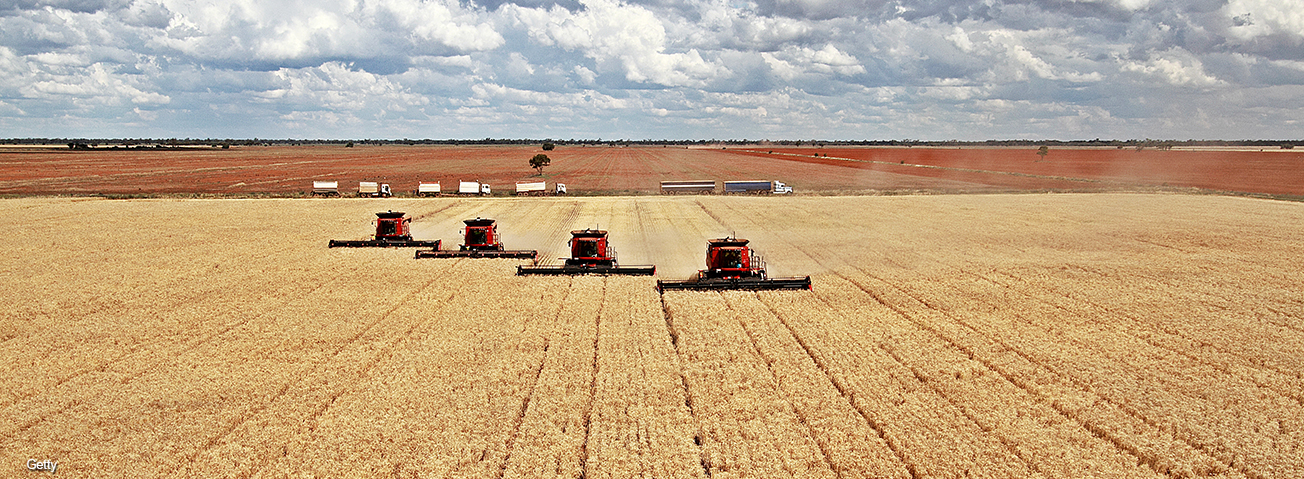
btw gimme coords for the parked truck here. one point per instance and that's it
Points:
(473, 188)
(428, 189)
(757, 187)
(373, 189)
(539, 188)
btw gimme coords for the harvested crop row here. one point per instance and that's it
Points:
(931, 434)
(280, 427)
(187, 397)
(1166, 388)
(1185, 332)
(1051, 443)
(449, 400)
(641, 424)
(990, 334)
(747, 427)
(853, 446)
(555, 429)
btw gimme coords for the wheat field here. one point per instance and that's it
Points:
(1073, 335)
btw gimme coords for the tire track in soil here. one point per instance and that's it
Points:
(458, 202)
(688, 393)
(525, 404)
(593, 384)
(1004, 440)
(558, 235)
(921, 378)
(892, 444)
(774, 375)
(387, 351)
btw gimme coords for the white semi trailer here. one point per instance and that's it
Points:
(428, 189)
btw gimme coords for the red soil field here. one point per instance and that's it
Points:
(290, 170)
(1278, 172)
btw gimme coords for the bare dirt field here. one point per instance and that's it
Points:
(1066, 335)
(290, 170)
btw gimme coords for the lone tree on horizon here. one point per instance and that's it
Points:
(539, 161)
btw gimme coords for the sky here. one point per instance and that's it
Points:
(653, 69)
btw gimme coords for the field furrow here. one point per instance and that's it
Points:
(555, 428)
(748, 427)
(641, 424)
(853, 447)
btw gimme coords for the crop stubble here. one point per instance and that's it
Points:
(993, 336)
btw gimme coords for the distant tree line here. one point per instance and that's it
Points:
(82, 143)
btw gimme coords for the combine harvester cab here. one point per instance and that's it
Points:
(391, 231)
(480, 240)
(731, 264)
(590, 254)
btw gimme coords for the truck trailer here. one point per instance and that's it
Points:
(326, 188)
(688, 187)
(428, 189)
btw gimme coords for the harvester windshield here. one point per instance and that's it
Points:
(476, 236)
(586, 248)
(387, 228)
(730, 258)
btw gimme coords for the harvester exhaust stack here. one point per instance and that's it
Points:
(391, 231)
(590, 254)
(732, 265)
(480, 240)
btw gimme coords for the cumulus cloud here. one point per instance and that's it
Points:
(651, 68)
(618, 37)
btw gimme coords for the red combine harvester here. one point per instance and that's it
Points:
(480, 240)
(391, 231)
(731, 264)
(589, 255)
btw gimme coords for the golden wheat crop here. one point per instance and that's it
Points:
(1102, 335)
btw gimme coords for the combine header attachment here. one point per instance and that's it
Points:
(589, 255)
(480, 240)
(391, 231)
(731, 264)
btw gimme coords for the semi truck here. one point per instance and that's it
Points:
(757, 187)
(472, 188)
(539, 188)
(373, 189)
